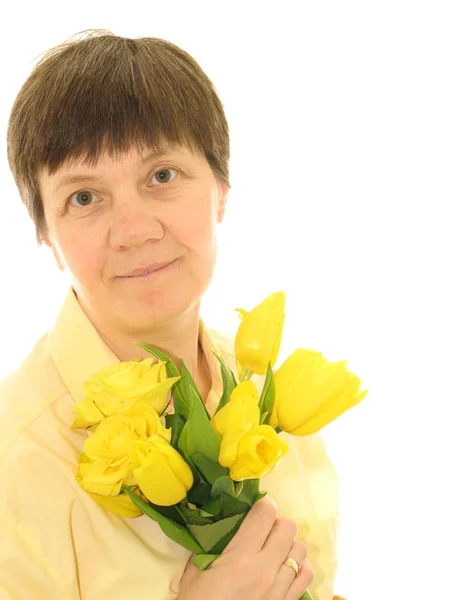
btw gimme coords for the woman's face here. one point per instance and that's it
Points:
(123, 215)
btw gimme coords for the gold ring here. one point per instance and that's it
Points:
(290, 562)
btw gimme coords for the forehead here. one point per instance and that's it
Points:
(136, 157)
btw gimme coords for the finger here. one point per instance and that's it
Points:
(189, 574)
(255, 528)
(301, 582)
(280, 539)
(286, 575)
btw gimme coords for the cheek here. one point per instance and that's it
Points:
(196, 227)
(83, 253)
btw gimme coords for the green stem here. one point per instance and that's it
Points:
(247, 375)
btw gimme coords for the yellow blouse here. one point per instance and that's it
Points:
(56, 543)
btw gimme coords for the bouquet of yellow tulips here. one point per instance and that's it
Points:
(194, 474)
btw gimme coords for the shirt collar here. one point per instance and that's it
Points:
(78, 350)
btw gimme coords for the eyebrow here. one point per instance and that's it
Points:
(89, 177)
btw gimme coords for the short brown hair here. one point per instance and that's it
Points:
(106, 94)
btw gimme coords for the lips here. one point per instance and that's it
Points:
(148, 269)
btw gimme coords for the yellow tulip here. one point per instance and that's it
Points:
(310, 392)
(107, 463)
(259, 451)
(160, 471)
(102, 477)
(87, 415)
(258, 338)
(117, 388)
(121, 505)
(240, 414)
(112, 438)
(148, 422)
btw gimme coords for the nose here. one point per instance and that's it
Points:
(133, 223)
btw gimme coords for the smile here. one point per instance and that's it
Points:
(150, 276)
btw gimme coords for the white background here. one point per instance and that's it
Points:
(339, 119)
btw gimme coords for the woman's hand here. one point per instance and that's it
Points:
(251, 566)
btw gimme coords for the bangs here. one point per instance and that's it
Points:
(124, 97)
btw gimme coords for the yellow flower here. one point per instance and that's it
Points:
(160, 471)
(121, 505)
(258, 338)
(112, 438)
(101, 476)
(240, 414)
(117, 388)
(259, 451)
(310, 392)
(148, 422)
(107, 452)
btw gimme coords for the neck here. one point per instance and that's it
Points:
(178, 339)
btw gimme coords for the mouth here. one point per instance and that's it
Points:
(150, 276)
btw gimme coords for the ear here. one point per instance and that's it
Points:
(223, 196)
(54, 250)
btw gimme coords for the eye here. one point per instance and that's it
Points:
(83, 196)
(162, 175)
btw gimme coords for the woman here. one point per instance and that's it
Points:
(92, 130)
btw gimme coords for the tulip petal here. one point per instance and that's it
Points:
(306, 384)
(87, 413)
(258, 339)
(155, 397)
(229, 447)
(324, 417)
(120, 505)
(160, 484)
(259, 451)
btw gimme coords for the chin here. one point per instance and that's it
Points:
(144, 313)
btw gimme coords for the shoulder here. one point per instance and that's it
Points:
(36, 373)
(26, 393)
(38, 449)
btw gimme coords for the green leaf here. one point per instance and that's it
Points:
(306, 595)
(223, 542)
(210, 469)
(262, 418)
(268, 393)
(231, 506)
(196, 516)
(229, 382)
(238, 486)
(168, 511)
(188, 383)
(201, 511)
(198, 477)
(202, 561)
(176, 421)
(179, 401)
(250, 492)
(198, 435)
(212, 536)
(223, 484)
(199, 493)
(181, 515)
(173, 530)
(212, 506)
